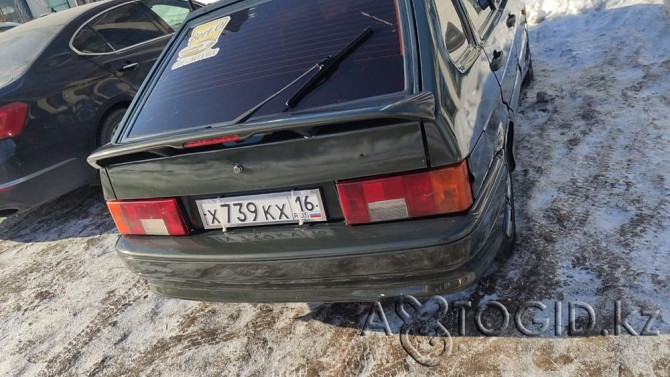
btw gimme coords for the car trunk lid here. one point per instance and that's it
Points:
(300, 163)
(377, 140)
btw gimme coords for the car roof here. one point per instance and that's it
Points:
(65, 16)
(62, 18)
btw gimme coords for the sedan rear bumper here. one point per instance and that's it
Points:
(326, 262)
(21, 193)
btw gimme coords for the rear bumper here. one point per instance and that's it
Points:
(326, 262)
(29, 190)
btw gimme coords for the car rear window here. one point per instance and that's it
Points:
(225, 65)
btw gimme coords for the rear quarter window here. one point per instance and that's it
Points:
(173, 12)
(226, 64)
(88, 41)
(126, 26)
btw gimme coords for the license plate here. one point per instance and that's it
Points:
(279, 208)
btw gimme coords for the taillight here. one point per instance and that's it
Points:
(12, 119)
(160, 217)
(440, 191)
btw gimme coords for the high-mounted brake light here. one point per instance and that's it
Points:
(440, 191)
(160, 217)
(206, 142)
(12, 119)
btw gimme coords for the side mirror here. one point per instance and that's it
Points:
(453, 38)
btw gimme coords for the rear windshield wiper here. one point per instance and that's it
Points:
(325, 68)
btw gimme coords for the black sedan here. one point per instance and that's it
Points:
(66, 80)
(361, 149)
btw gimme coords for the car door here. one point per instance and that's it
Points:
(497, 28)
(129, 38)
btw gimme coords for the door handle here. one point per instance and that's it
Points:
(498, 60)
(511, 20)
(128, 66)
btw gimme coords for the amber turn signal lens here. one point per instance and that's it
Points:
(440, 191)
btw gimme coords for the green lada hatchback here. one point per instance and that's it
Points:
(322, 151)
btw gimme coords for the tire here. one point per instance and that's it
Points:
(530, 75)
(109, 126)
(509, 219)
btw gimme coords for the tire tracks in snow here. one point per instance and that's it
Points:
(62, 362)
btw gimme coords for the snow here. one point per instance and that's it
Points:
(593, 205)
(539, 10)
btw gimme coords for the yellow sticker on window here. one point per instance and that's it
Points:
(200, 43)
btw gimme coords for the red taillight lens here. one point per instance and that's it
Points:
(160, 217)
(440, 191)
(12, 119)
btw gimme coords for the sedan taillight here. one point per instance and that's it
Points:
(12, 119)
(160, 217)
(440, 191)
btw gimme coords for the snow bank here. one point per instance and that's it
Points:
(539, 10)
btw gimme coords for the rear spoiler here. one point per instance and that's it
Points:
(416, 107)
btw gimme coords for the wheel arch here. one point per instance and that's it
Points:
(122, 103)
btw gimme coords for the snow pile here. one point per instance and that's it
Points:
(539, 10)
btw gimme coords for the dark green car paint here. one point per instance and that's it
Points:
(329, 262)
(434, 123)
(298, 162)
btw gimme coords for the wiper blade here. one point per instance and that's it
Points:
(327, 67)
(247, 114)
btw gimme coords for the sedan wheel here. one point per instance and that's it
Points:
(109, 126)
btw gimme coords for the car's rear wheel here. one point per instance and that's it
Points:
(109, 125)
(509, 218)
(530, 75)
